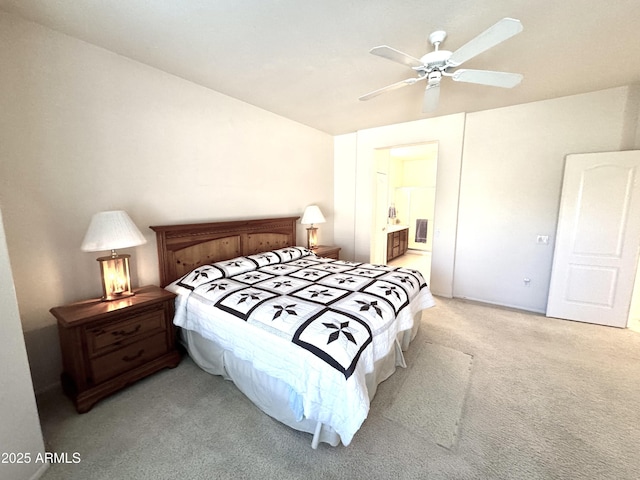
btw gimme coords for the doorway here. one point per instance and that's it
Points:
(408, 202)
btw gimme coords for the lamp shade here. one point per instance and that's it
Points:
(312, 214)
(110, 231)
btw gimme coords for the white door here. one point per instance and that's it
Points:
(597, 239)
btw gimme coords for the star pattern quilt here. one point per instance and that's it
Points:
(316, 323)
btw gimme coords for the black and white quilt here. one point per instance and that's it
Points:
(318, 324)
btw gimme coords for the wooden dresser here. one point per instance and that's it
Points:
(109, 345)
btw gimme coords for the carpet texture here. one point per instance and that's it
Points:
(544, 399)
(430, 399)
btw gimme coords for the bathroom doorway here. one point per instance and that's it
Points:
(411, 193)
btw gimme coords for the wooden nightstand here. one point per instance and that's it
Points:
(109, 345)
(327, 251)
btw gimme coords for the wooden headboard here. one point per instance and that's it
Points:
(181, 248)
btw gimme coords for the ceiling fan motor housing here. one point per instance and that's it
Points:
(433, 60)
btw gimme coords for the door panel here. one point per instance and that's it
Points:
(597, 240)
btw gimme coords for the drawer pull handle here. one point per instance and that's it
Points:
(123, 333)
(127, 358)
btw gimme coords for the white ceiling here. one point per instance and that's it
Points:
(308, 60)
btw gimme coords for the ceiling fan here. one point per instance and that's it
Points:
(439, 63)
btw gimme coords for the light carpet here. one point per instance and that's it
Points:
(430, 400)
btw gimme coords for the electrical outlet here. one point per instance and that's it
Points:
(542, 239)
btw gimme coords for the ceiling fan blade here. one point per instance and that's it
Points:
(487, 77)
(501, 31)
(393, 86)
(396, 56)
(431, 97)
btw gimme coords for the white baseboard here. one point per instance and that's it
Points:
(503, 305)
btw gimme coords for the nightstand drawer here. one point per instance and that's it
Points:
(126, 358)
(107, 337)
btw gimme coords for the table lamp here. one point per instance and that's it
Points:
(312, 215)
(110, 231)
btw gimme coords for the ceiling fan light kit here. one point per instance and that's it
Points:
(440, 63)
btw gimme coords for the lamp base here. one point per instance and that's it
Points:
(116, 282)
(117, 296)
(312, 237)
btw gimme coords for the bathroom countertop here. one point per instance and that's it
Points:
(395, 228)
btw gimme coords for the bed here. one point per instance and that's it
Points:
(307, 339)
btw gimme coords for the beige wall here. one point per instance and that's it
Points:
(20, 431)
(510, 190)
(508, 178)
(344, 181)
(84, 130)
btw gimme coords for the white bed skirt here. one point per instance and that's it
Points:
(273, 396)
